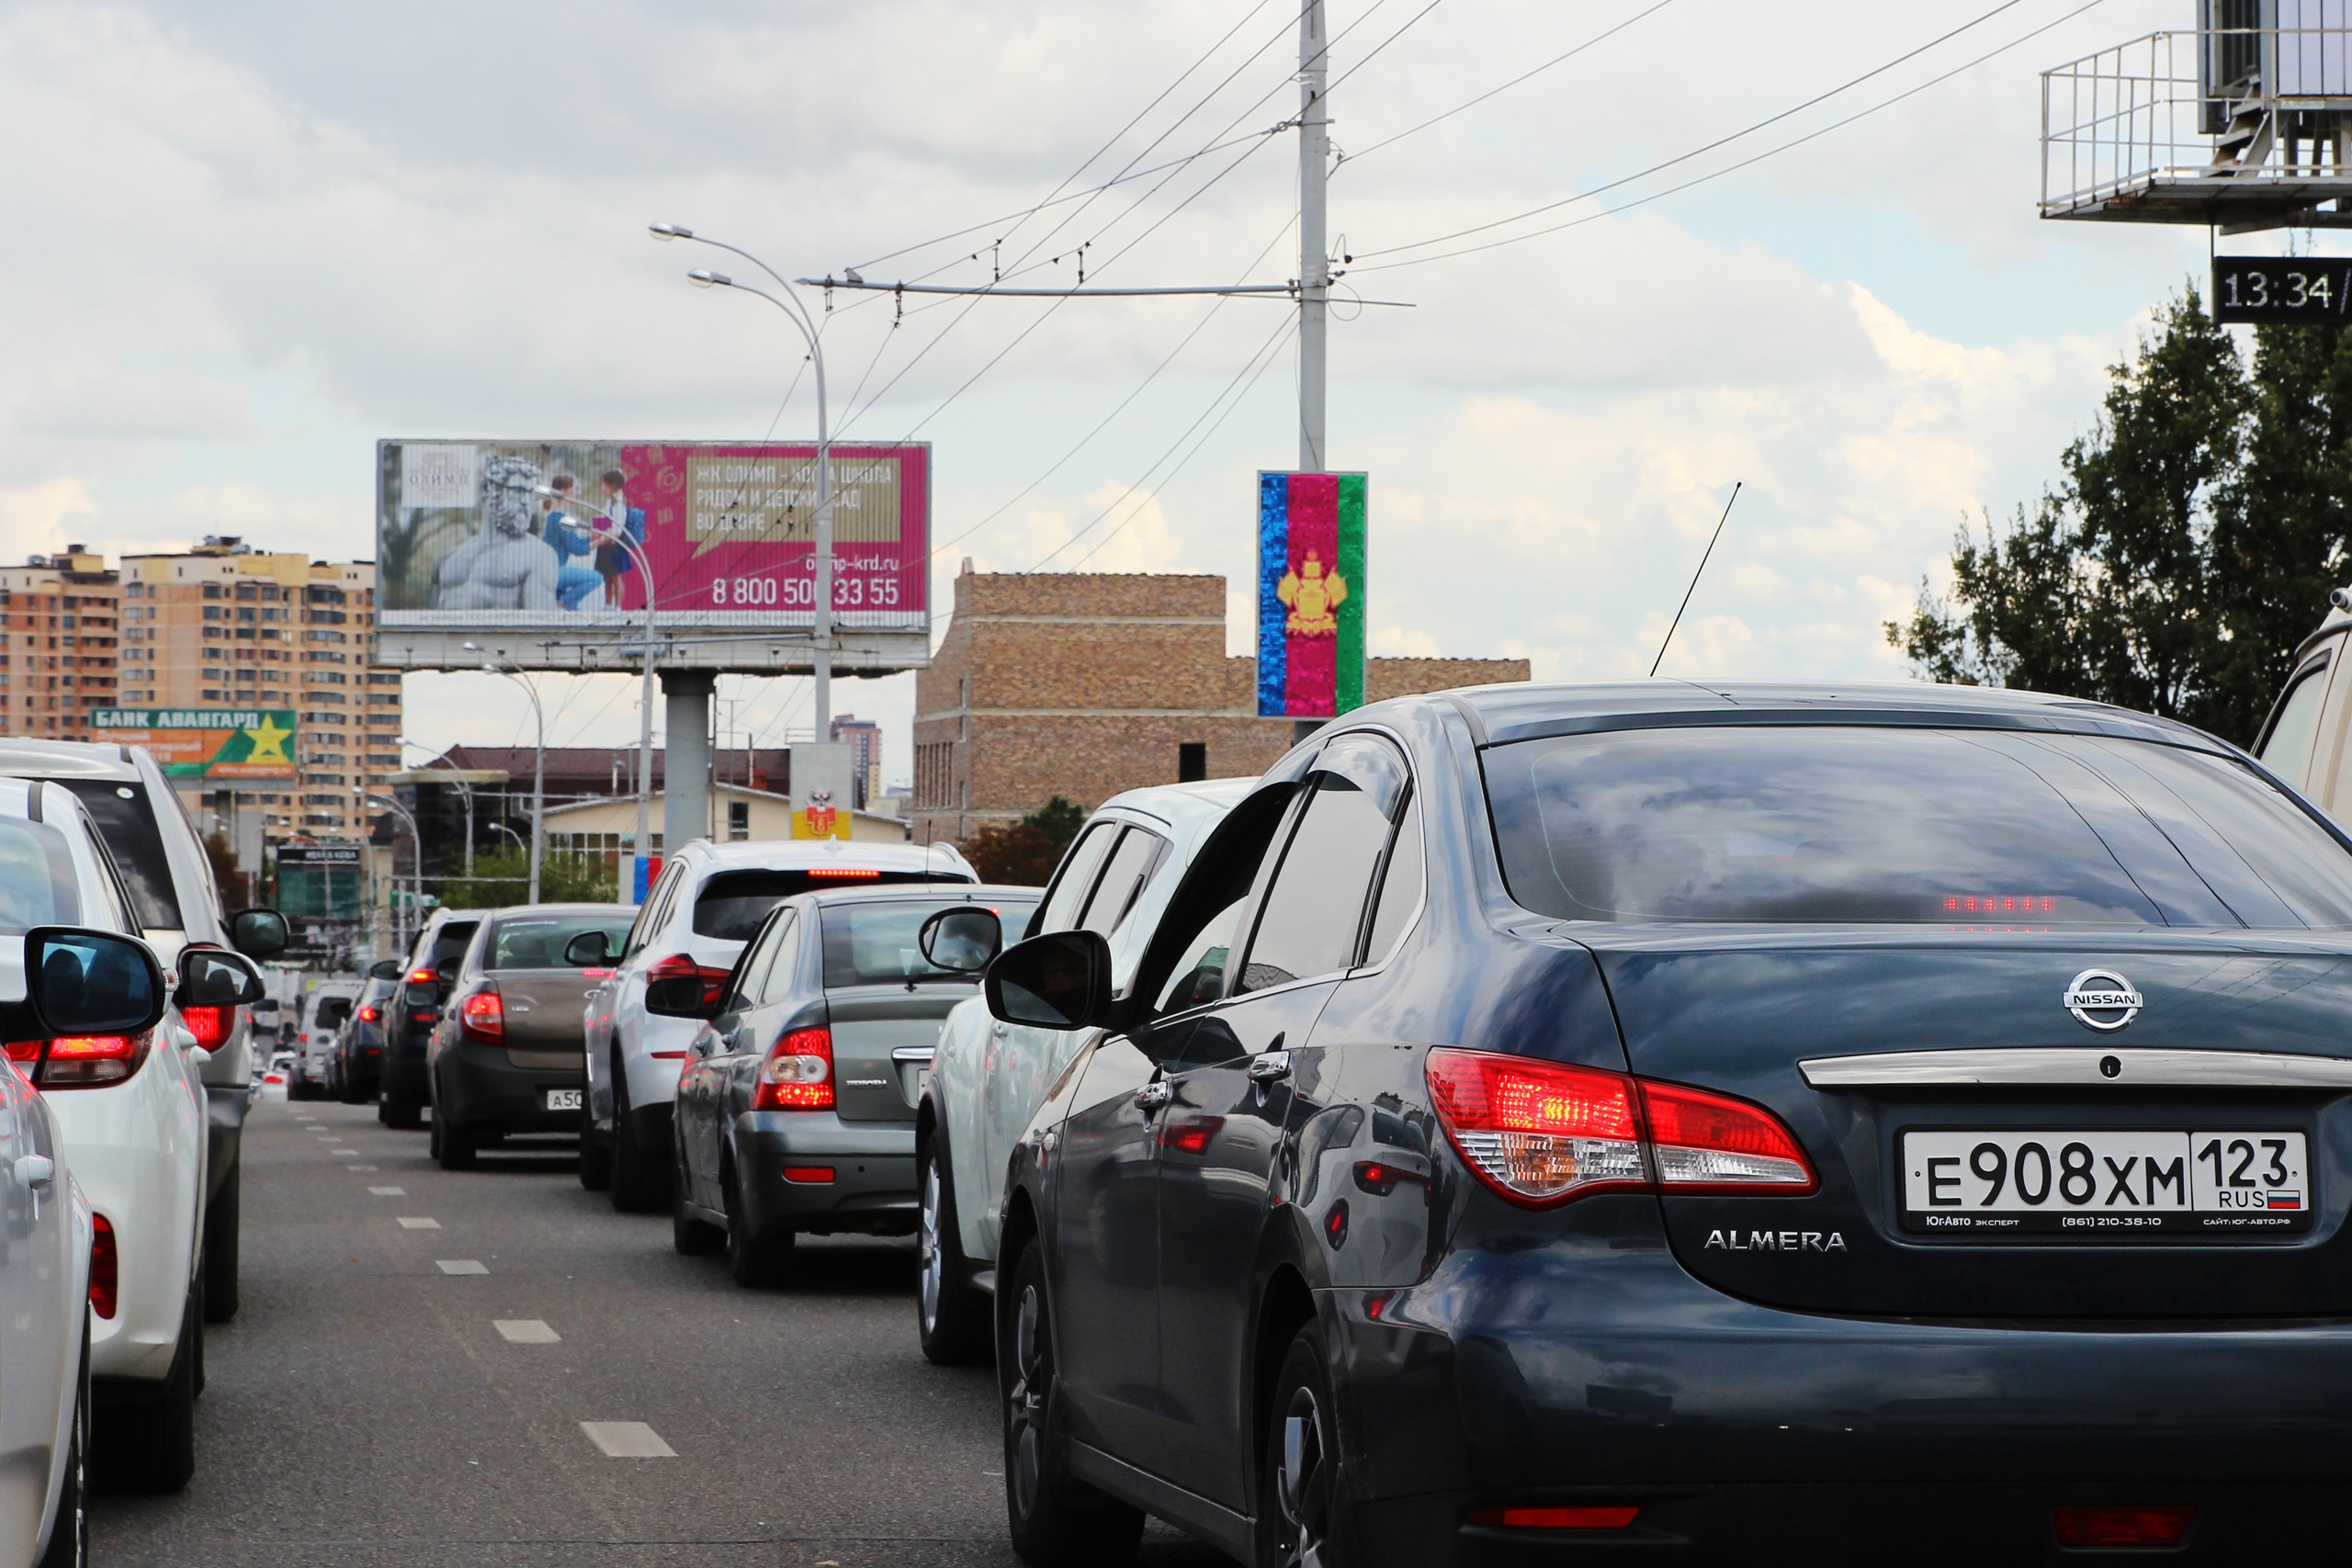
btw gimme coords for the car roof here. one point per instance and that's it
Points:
(1172, 802)
(1504, 714)
(24, 757)
(909, 892)
(524, 909)
(797, 854)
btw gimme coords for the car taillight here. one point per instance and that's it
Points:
(483, 1017)
(595, 974)
(82, 1061)
(368, 1015)
(423, 977)
(2121, 1528)
(799, 1072)
(680, 966)
(1592, 1516)
(1541, 1132)
(106, 1272)
(210, 1025)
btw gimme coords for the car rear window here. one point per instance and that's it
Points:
(876, 944)
(127, 822)
(451, 940)
(537, 941)
(732, 904)
(37, 882)
(1967, 829)
(332, 1012)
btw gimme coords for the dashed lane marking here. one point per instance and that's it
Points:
(359, 1167)
(339, 1154)
(387, 1192)
(526, 1331)
(628, 1439)
(458, 1266)
(411, 1223)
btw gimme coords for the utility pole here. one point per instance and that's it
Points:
(1313, 252)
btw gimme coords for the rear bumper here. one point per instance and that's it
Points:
(872, 1164)
(1594, 1369)
(478, 1086)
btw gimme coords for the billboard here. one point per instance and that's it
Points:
(1310, 594)
(321, 882)
(226, 745)
(496, 537)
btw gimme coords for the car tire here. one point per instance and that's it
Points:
(638, 1184)
(1300, 1487)
(220, 1243)
(755, 1261)
(351, 1095)
(693, 1238)
(69, 1536)
(451, 1146)
(595, 1161)
(953, 1319)
(1055, 1520)
(148, 1445)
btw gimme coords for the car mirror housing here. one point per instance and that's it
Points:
(384, 969)
(1059, 981)
(211, 978)
(587, 949)
(964, 939)
(259, 933)
(86, 982)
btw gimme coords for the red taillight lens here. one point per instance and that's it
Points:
(105, 1270)
(680, 967)
(2122, 1526)
(799, 1072)
(810, 1175)
(1607, 1516)
(369, 1014)
(483, 1017)
(422, 977)
(83, 1061)
(1541, 1132)
(210, 1025)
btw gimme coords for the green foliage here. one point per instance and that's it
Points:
(1016, 853)
(2189, 546)
(505, 878)
(1058, 821)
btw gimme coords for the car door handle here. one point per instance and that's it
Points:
(1152, 1096)
(912, 1054)
(1269, 1067)
(36, 1171)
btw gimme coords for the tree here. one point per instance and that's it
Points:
(1058, 821)
(236, 885)
(2188, 548)
(505, 878)
(1024, 853)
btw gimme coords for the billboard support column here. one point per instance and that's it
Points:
(685, 804)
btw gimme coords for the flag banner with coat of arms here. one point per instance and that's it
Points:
(1310, 594)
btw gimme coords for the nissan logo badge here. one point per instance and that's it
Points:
(2102, 1000)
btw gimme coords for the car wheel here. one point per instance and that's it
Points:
(1299, 1484)
(351, 1095)
(595, 1161)
(148, 1445)
(951, 1318)
(451, 1146)
(693, 1238)
(638, 1176)
(753, 1260)
(1055, 1520)
(69, 1537)
(220, 1227)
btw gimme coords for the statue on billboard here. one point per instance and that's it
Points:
(504, 567)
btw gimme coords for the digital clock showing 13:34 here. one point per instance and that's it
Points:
(2273, 289)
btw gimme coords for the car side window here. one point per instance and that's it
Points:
(1185, 965)
(1313, 914)
(775, 982)
(752, 968)
(1401, 881)
(655, 911)
(1129, 867)
(1075, 880)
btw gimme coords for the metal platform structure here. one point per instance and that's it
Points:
(2243, 123)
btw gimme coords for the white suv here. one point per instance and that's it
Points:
(709, 899)
(986, 1078)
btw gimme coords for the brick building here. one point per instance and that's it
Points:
(59, 628)
(1084, 684)
(863, 738)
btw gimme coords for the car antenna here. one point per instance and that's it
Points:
(1694, 578)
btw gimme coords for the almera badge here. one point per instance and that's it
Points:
(2102, 1000)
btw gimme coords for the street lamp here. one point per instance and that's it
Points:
(463, 788)
(538, 764)
(797, 313)
(416, 903)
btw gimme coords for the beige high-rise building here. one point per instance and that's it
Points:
(58, 631)
(226, 625)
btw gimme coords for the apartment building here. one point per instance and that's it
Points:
(225, 625)
(58, 627)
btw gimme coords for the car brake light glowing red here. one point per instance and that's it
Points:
(1541, 1132)
(595, 974)
(369, 1014)
(1191, 1135)
(1603, 1517)
(82, 1061)
(106, 1272)
(210, 1025)
(799, 1072)
(810, 1175)
(680, 966)
(481, 1017)
(843, 872)
(2122, 1527)
(422, 977)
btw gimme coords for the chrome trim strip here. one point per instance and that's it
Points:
(2134, 1066)
(912, 1053)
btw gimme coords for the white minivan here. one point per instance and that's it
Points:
(707, 904)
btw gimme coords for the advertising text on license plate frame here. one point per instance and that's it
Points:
(2109, 1183)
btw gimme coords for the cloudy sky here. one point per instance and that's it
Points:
(249, 237)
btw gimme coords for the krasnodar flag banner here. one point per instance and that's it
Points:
(1310, 594)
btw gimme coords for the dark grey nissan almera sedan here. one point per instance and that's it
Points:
(1856, 1125)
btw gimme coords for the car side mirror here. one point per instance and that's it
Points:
(259, 933)
(384, 969)
(86, 982)
(679, 988)
(211, 978)
(587, 951)
(963, 939)
(1059, 981)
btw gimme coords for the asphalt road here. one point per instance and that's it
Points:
(366, 1407)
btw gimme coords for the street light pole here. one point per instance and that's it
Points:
(463, 788)
(416, 899)
(797, 313)
(539, 762)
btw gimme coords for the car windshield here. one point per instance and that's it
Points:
(876, 944)
(127, 822)
(537, 941)
(1962, 828)
(36, 883)
(731, 905)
